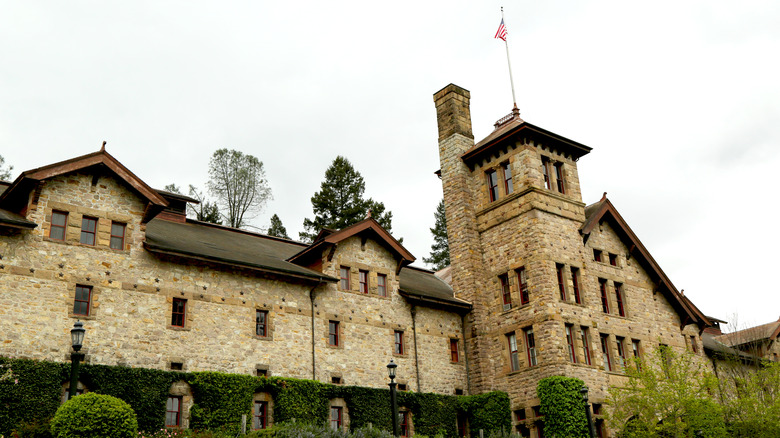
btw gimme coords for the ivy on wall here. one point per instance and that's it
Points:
(221, 399)
(562, 407)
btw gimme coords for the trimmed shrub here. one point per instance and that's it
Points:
(94, 415)
(562, 407)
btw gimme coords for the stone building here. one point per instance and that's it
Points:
(540, 284)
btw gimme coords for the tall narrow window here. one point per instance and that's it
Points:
(514, 360)
(173, 411)
(559, 178)
(530, 345)
(454, 353)
(88, 230)
(613, 259)
(666, 358)
(575, 284)
(604, 298)
(117, 236)
(561, 287)
(508, 188)
(605, 352)
(635, 350)
(522, 281)
(398, 337)
(59, 221)
(178, 311)
(506, 295)
(693, 344)
(344, 283)
(261, 323)
(597, 255)
(621, 350)
(619, 299)
(335, 417)
(585, 339)
(492, 180)
(260, 415)
(82, 300)
(381, 285)
(546, 173)
(570, 343)
(363, 281)
(333, 333)
(403, 423)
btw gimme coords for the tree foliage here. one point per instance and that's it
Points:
(238, 183)
(277, 229)
(5, 172)
(340, 203)
(205, 210)
(440, 250)
(562, 407)
(94, 415)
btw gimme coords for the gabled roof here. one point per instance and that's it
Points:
(768, 331)
(369, 226)
(15, 197)
(604, 210)
(423, 287)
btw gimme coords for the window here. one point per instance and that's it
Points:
(530, 346)
(605, 352)
(604, 298)
(59, 221)
(177, 366)
(514, 360)
(666, 358)
(454, 354)
(635, 350)
(492, 181)
(508, 188)
(561, 287)
(260, 415)
(546, 173)
(523, 285)
(619, 299)
(335, 417)
(381, 285)
(402, 386)
(333, 333)
(117, 236)
(575, 284)
(559, 178)
(597, 255)
(505, 292)
(621, 350)
(520, 415)
(601, 430)
(693, 344)
(344, 283)
(398, 337)
(336, 380)
(363, 281)
(173, 411)
(585, 339)
(82, 300)
(261, 372)
(462, 423)
(177, 314)
(613, 259)
(88, 230)
(403, 423)
(261, 323)
(570, 343)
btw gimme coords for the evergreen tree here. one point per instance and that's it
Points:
(440, 250)
(277, 229)
(5, 172)
(340, 203)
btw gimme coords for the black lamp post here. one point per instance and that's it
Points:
(393, 404)
(591, 430)
(77, 338)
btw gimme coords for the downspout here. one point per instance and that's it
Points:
(313, 344)
(414, 333)
(465, 352)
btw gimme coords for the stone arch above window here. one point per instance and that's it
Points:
(177, 407)
(338, 417)
(262, 411)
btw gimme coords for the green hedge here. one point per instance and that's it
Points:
(220, 399)
(562, 407)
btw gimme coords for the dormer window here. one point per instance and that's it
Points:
(492, 180)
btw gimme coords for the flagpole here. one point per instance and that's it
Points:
(509, 63)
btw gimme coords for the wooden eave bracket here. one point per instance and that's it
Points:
(332, 251)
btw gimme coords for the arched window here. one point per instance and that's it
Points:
(177, 406)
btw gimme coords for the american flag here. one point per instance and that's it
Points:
(501, 31)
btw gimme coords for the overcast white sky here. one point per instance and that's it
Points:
(679, 100)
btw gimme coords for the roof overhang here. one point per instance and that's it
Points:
(459, 307)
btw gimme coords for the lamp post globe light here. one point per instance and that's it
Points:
(77, 338)
(584, 393)
(393, 404)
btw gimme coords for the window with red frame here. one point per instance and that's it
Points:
(261, 323)
(522, 280)
(508, 187)
(344, 283)
(173, 411)
(117, 236)
(59, 221)
(454, 353)
(381, 285)
(403, 423)
(546, 173)
(492, 180)
(333, 333)
(597, 255)
(561, 287)
(82, 300)
(514, 360)
(398, 337)
(260, 415)
(530, 346)
(693, 344)
(575, 284)
(178, 310)
(585, 339)
(613, 259)
(619, 299)
(336, 417)
(605, 352)
(559, 178)
(88, 230)
(570, 343)
(363, 281)
(604, 298)
(635, 350)
(621, 350)
(505, 292)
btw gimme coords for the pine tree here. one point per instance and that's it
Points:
(340, 203)
(277, 229)
(440, 250)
